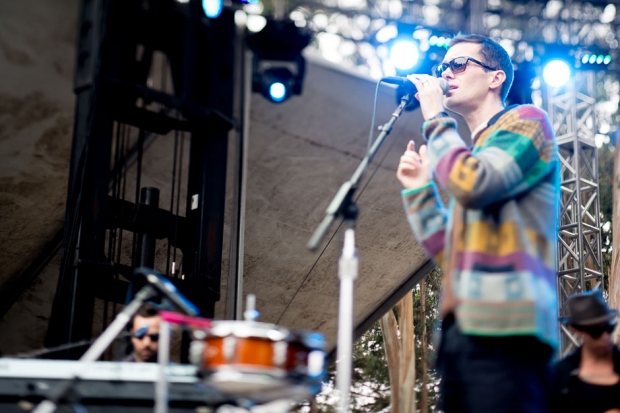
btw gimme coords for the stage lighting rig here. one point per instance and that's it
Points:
(278, 66)
(593, 59)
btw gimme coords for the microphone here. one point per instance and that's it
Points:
(168, 290)
(410, 87)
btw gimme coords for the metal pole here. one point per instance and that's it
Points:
(234, 292)
(347, 272)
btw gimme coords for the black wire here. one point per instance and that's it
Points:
(374, 117)
(359, 193)
(44, 351)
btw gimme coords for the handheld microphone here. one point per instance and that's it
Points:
(410, 87)
(168, 290)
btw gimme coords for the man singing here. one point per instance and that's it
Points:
(496, 240)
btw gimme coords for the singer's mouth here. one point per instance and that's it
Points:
(453, 87)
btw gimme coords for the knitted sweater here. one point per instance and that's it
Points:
(504, 199)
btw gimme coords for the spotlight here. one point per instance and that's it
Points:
(404, 54)
(556, 73)
(212, 8)
(595, 60)
(278, 66)
(277, 84)
(438, 41)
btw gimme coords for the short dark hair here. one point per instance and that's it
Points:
(147, 310)
(494, 55)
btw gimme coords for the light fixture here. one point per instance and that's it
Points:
(591, 60)
(212, 8)
(556, 73)
(277, 84)
(278, 66)
(404, 54)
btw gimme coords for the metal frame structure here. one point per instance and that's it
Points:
(118, 43)
(579, 259)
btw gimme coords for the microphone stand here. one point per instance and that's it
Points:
(343, 205)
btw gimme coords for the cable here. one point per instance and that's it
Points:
(43, 351)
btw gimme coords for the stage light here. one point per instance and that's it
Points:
(404, 54)
(277, 84)
(556, 73)
(278, 66)
(595, 59)
(438, 41)
(277, 91)
(212, 8)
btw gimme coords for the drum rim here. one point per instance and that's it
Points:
(248, 329)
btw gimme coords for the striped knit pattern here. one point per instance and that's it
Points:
(507, 185)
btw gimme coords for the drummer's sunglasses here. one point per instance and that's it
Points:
(597, 330)
(458, 65)
(141, 333)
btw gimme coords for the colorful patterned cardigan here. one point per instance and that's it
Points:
(504, 199)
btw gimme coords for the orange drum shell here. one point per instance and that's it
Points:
(248, 351)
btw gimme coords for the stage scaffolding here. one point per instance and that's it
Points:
(579, 260)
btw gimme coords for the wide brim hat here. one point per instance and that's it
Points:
(588, 308)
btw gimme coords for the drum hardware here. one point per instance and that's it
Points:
(258, 361)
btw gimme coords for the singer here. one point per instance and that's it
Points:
(496, 240)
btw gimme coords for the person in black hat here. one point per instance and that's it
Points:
(588, 380)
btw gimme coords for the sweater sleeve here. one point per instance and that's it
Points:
(427, 218)
(511, 159)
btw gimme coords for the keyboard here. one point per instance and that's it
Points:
(105, 387)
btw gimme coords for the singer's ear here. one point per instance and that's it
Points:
(497, 80)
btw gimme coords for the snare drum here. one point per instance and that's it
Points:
(259, 361)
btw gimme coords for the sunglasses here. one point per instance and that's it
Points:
(141, 333)
(458, 65)
(598, 330)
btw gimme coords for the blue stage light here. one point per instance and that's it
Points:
(404, 54)
(276, 84)
(277, 92)
(556, 73)
(212, 8)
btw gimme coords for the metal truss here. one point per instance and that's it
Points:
(579, 260)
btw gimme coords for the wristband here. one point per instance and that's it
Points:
(441, 114)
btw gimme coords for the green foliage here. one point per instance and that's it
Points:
(432, 322)
(370, 387)
(606, 197)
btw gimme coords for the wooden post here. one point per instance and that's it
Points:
(389, 329)
(406, 403)
(400, 355)
(423, 355)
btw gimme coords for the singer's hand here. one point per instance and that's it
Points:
(429, 94)
(414, 169)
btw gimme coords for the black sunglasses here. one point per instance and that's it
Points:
(141, 333)
(598, 330)
(458, 65)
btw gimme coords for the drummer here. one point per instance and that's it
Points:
(144, 335)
